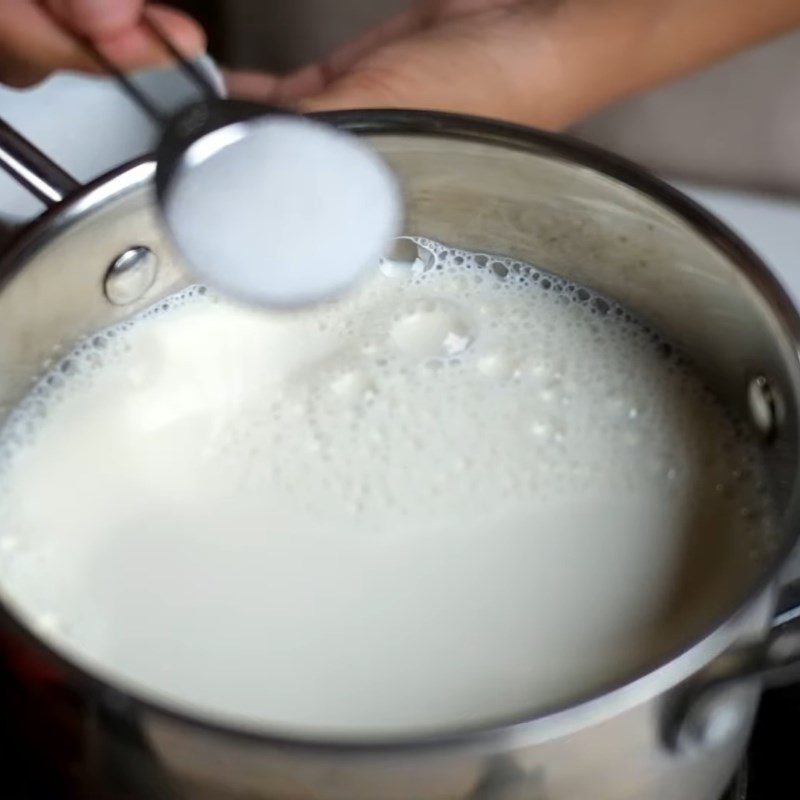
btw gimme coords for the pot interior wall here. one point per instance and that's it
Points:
(527, 201)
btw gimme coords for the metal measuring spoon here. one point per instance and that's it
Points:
(273, 208)
(265, 205)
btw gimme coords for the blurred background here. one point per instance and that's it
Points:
(735, 124)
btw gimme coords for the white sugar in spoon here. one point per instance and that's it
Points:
(266, 206)
(276, 210)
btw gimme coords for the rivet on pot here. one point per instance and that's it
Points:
(765, 407)
(130, 276)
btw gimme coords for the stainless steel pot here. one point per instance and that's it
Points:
(674, 732)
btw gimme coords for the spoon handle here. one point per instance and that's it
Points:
(32, 169)
(189, 69)
(125, 82)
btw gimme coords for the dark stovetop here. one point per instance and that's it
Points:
(773, 774)
(774, 753)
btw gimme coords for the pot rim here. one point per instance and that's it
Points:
(541, 725)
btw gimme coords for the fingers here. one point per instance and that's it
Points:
(313, 79)
(97, 18)
(136, 48)
(257, 86)
(261, 87)
(528, 64)
(457, 70)
(399, 86)
(35, 41)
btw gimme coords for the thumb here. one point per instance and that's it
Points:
(136, 47)
(114, 26)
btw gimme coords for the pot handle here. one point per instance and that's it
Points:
(709, 711)
(32, 169)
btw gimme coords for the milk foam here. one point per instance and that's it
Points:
(469, 490)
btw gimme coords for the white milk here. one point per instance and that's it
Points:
(462, 493)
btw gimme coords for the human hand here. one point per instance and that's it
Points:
(37, 38)
(521, 60)
(539, 62)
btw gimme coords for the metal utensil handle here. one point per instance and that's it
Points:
(32, 169)
(772, 663)
(190, 70)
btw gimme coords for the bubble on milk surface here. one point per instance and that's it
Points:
(443, 329)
